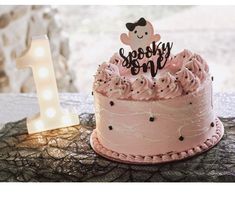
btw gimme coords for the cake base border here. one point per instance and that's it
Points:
(157, 159)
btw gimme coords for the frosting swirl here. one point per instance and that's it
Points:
(188, 80)
(168, 87)
(202, 61)
(178, 61)
(141, 88)
(117, 60)
(119, 87)
(196, 68)
(102, 78)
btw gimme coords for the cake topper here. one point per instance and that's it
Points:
(146, 55)
(140, 35)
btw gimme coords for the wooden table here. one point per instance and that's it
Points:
(66, 155)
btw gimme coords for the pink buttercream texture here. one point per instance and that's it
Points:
(167, 117)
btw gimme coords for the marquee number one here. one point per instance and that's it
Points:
(51, 115)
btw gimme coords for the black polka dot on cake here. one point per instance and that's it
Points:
(181, 138)
(110, 128)
(111, 103)
(212, 78)
(151, 119)
(212, 124)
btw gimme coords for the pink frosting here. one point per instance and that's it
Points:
(116, 59)
(202, 61)
(179, 60)
(119, 88)
(168, 87)
(188, 80)
(142, 88)
(197, 68)
(190, 69)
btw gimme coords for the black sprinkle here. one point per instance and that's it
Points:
(141, 82)
(191, 81)
(116, 83)
(212, 78)
(111, 103)
(190, 103)
(110, 89)
(161, 90)
(162, 80)
(92, 93)
(181, 138)
(186, 77)
(176, 78)
(168, 86)
(154, 83)
(131, 89)
(151, 119)
(186, 93)
(200, 69)
(212, 124)
(110, 128)
(184, 56)
(189, 69)
(190, 59)
(138, 92)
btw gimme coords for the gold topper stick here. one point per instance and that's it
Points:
(140, 35)
(51, 115)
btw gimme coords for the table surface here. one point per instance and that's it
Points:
(66, 155)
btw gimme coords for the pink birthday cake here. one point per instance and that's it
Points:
(152, 106)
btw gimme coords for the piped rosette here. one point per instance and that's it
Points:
(188, 80)
(142, 88)
(179, 60)
(103, 75)
(196, 68)
(117, 60)
(168, 87)
(119, 88)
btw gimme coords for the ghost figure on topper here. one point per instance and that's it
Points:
(140, 35)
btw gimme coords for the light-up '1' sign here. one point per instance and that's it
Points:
(51, 115)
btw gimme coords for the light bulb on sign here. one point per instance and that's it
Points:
(51, 115)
